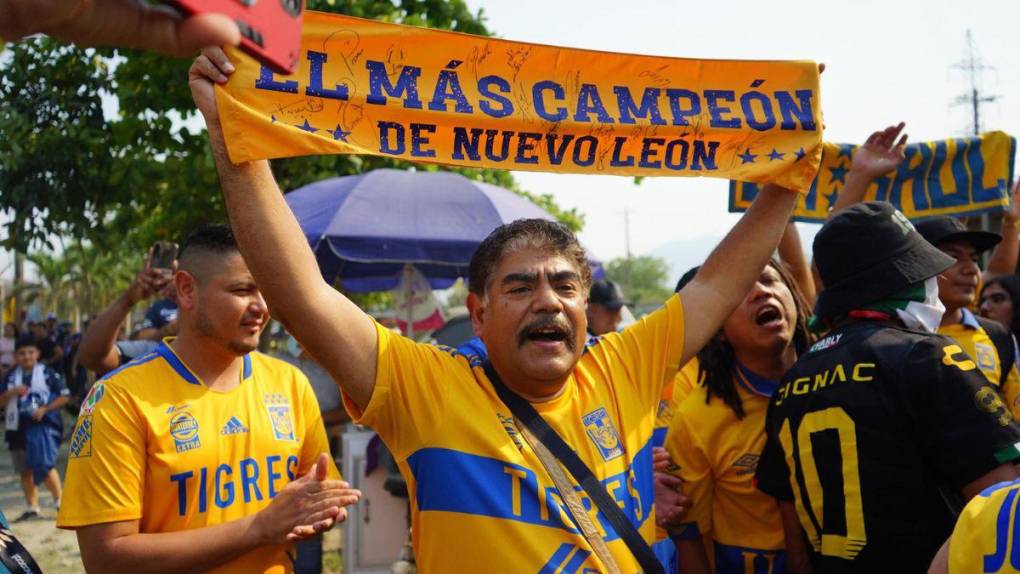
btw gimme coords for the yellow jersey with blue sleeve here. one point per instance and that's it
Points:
(975, 340)
(154, 444)
(481, 501)
(717, 454)
(676, 389)
(985, 538)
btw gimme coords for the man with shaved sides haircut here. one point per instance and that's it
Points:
(203, 455)
(481, 499)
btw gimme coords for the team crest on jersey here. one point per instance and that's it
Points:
(279, 416)
(184, 431)
(96, 394)
(81, 439)
(985, 355)
(988, 401)
(602, 432)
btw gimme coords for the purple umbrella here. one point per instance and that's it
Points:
(365, 228)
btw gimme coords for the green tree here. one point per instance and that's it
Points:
(58, 157)
(643, 279)
(146, 176)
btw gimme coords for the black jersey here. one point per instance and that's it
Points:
(877, 423)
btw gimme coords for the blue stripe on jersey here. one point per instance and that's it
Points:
(176, 364)
(132, 363)
(659, 436)
(453, 481)
(754, 382)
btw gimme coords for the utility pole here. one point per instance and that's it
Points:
(973, 67)
(626, 231)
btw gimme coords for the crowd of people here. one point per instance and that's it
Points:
(851, 414)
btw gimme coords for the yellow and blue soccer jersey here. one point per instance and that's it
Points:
(985, 538)
(677, 388)
(717, 454)
(977, 337)
(154, 444)
(481, 500)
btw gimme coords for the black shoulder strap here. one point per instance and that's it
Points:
(14, 556)
(527, 414)
(1003, 341)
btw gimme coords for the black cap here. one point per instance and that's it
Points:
(870, 251)
(25, 341)
(606, 293)
(942, 229)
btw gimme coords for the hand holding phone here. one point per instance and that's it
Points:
(164, 254)
(270, 29)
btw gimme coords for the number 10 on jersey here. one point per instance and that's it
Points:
(801, 455)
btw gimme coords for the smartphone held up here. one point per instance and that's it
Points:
(164, 254)
(270, 29)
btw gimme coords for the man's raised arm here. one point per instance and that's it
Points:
(733, 267)
(334, 330)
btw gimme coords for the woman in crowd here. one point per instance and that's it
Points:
(7, 340)
(717, 436)
(1000, 301)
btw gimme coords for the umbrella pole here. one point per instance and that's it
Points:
(408, 281)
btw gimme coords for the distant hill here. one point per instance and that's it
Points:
(682, 254)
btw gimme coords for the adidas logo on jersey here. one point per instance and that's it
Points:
(233, 426)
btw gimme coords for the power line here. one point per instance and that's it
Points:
(973, 67)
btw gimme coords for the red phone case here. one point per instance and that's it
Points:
(270, 29)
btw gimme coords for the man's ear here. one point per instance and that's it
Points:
(476, 310)
(187, 289)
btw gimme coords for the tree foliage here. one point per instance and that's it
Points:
(149, 175)
(78, 281)
(642, 279)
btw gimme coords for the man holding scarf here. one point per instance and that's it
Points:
(33, 394)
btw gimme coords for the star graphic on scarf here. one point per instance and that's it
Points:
(838, 173)
(800, 154)
(747, 156)
(340, 134)
(307, 127)
(775, 155)
(845, 150)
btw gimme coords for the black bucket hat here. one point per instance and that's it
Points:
(870, 251)
(943, 228)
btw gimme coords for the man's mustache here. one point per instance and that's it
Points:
(545, 322)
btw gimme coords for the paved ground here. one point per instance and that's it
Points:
(56, 550)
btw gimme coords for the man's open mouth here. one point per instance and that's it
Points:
(767, 315)
(549, 331)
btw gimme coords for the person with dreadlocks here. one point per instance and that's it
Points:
(718, 433)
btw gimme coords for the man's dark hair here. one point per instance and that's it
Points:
(686, 278)
(215, 237)
(550, 236)
(206, 239)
